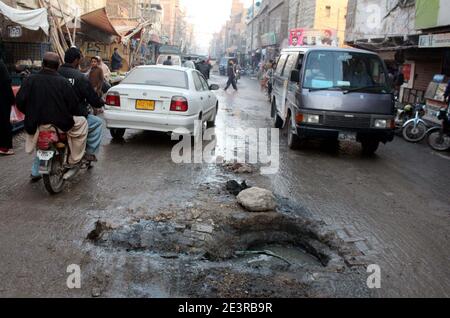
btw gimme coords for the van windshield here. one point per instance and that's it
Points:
(347, 71)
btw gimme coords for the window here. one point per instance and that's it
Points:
(157, 77)
(197, 82)
(204, 82)
(328, 11)
(290, 65)
(345, 70)
(280, 65)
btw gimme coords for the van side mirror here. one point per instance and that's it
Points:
(295, 76)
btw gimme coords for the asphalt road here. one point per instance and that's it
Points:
(395, 207)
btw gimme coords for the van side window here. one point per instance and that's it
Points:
(300, 62)
(280, 65)
(291, 63)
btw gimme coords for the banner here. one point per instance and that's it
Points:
(301, 37)
(30, 19)
(432, 13)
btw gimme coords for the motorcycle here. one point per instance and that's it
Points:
(404, 113)
(53, 153)
(439, 137)
(415, 129)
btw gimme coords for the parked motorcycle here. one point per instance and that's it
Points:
(439, 137)
(404, 113)
(53, 152)
(415, 129)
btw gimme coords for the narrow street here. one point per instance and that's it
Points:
(394, 208)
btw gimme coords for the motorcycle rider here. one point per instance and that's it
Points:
(86, 96)
(47, 98)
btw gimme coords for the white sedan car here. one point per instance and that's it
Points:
(161, 98)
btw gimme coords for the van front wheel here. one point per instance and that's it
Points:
(369, 147)
(293, 140)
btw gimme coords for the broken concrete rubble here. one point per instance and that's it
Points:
(257, 200)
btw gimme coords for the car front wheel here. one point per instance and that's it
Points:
(117, 133)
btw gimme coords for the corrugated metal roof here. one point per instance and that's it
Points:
(99, 19)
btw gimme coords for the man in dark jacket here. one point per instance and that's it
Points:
(168, 62)
(203, 68)
(6, 100)
(86, 96)
(116, 61)
(231, 76)
(47, 98)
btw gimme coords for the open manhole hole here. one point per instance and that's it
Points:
(241, 237)
(277, 254)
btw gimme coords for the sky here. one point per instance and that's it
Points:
(208, 16)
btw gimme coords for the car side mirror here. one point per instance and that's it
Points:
(214, 87)
(295, 76)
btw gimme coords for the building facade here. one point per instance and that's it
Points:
(414, 34)
(267, 29)
(319, 15)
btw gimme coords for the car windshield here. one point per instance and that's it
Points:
(176, 60)
(348, 71)
(157, 77)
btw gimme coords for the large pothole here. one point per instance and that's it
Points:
(240, 235)
(215, 249)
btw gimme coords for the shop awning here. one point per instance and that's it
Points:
(155, 38)
(29, 19)
(99, 19)
(124, 26)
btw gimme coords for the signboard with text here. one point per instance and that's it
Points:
(434, 40)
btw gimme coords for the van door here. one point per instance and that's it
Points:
(278, 82)
(287, 85)
(294, 90)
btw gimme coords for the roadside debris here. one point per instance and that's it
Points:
(239, 168)
(100, 228)
(96, 292)
(257, 200)
(268, 253)
(235, 188)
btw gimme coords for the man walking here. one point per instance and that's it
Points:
(231, 76)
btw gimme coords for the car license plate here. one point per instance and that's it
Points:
(45, 155)
(347, 136)
(145, 104)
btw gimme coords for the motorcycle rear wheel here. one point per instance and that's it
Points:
(439, 141)
(54, 182)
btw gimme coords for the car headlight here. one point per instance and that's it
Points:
(384, 123)
(311, 119)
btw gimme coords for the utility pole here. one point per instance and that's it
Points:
(253, 29)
